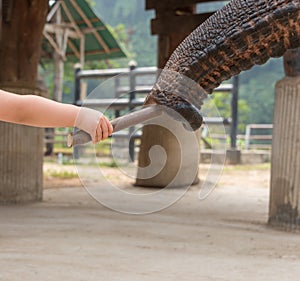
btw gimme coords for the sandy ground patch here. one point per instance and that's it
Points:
(69, 236)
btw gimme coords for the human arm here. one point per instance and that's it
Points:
(41, 112)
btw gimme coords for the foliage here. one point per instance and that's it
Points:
(135, 20)
(123, 38)
(210, 7)
(223, 102)
(130, 24)
(61, 174)
(256, 95)
(91, 3)
(257, 88)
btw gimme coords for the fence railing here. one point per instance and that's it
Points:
(134, 92)
(258, 141)
(250, 139)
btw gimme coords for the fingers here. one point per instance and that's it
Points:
(104, 130)
(110, 127)
(98, 134)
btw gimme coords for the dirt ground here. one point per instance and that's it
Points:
(69, 236)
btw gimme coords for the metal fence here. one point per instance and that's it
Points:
(261, 139)
(139, 83)
(134, 93)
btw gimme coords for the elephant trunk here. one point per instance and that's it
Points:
(242, 34)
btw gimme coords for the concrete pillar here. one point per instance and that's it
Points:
(175, 163)
(21, 160)
(154, 135)
(285, 177)
(285, 171)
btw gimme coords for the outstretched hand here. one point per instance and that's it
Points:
(94, 123)
(103, 130)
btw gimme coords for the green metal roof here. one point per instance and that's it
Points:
(81, 21)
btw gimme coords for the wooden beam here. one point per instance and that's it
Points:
(65, 41)
(90, 30)
(51, 41)
(53, 11)
(71, 19)
(1, 13)
(173, 4)
(52, 28)
(95, 52)
(89, 24)
(177, 24)
(7, 8)
(83, 22)
(74, 49)
(82, 50)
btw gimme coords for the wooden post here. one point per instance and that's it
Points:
(169, 38)
(285, 176)
(21, 147)
(58, 60)
(1, 13)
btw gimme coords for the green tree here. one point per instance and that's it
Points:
(223, 103)
(257, 88)
(135, 20)
(131, 23)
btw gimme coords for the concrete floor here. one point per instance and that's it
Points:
(69, 236)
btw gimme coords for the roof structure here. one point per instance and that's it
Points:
(75, 32)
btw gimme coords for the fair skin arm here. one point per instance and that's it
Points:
(41, 112)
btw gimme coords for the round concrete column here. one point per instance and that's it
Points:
(175, 164)
(285, 171)
(21, 159)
